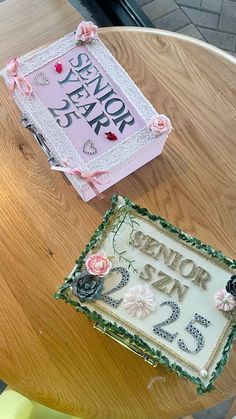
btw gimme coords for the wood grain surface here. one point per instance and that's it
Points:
(47, 351)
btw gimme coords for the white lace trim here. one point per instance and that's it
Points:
(30, 63)
(123, 151)
(56, 139)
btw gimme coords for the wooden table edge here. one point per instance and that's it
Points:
(162, 32)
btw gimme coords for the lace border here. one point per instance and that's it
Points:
(56, 139)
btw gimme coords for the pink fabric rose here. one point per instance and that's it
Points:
(224, 300)
(98, 264)
(160, 124)
(86, 32)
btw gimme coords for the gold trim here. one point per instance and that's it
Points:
(219, 346)
(168, 233)
(213, 354)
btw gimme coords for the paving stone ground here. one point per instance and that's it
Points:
(213, 21)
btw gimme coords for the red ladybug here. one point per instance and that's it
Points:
(110, 136)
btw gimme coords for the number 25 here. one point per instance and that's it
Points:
(196, 334)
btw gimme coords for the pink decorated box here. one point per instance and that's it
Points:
(95, 124)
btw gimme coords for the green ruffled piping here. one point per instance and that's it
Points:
(122, 332)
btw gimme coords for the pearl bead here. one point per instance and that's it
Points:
(203, 373)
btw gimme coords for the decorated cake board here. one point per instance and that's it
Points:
(93, 122)
(161, 293)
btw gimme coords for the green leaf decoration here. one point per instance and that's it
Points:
(230, 315)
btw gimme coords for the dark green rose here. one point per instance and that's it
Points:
(87, 287)
(231, 286)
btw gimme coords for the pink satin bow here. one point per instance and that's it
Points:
(17, 79)
(89, 178)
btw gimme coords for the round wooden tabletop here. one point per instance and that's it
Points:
(49, 352)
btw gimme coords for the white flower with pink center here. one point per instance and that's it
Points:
(224, 300)
(98, 264)
(139, 301)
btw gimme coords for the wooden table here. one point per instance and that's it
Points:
(48, 351)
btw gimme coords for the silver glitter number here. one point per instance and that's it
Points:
(157, 328)
(195, 333)
(124, 280)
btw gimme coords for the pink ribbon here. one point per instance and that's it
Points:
(89, 178)
(17, 79)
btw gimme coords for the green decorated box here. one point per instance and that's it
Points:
(158, 291)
